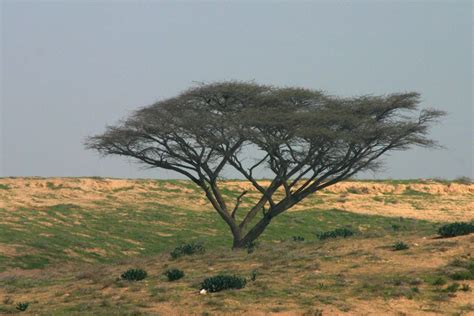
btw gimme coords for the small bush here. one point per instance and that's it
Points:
(22, 306)
(253, 275)
(462, 275)
(378, 199)
(223, 282)
(452, 288)
(134, 275)
(399, 245)
(187, 249)
(456, 229)
(438, 281)
(396, 227)
(174, 274)
(298, 238)
(465, 287)
(338, 232)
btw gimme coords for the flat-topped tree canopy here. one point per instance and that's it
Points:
(309, 140)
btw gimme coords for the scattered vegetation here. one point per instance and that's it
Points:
(460, 269)
(52, 186)
(452, 288)
(174, 274)
(338, 232)
(456, 229)
(410, 191)
(354, 190)
(400, 245)
(134, 275)
(187, 249)
(298, 238)
(436, 281)
(22, 306)
(396, 227)
(4, 186)
(223, 282)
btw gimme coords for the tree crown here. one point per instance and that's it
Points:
(303, 133)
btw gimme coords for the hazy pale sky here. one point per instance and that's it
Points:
(68, 68)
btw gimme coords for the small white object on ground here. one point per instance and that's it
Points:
(203, 291)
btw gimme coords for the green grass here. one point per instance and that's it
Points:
(52, 186)
(67, 232)
(410, 191)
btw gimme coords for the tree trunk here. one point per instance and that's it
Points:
(253, 234)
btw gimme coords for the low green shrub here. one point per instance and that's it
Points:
(174, 274)
(437, 281)
(134, 275)
(22, 306)
(396, 227)
(223, 282)
(452, 288)
(338, 232)
(400, 245)
(253, 275)
(456, 229)
(462, 275)
(298, 238)
(187, 249)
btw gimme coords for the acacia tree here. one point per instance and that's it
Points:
(309, 140)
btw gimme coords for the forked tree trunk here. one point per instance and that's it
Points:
(252, 235)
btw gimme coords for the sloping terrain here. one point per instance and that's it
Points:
(432, 200)
(65, 241)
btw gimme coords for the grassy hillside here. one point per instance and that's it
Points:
(65, 258)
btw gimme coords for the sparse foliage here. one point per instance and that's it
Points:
(309, 140)
(298, 238)
(187, 249)
(400, 245)
(338, 232)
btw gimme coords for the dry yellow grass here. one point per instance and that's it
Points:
(430, 200)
